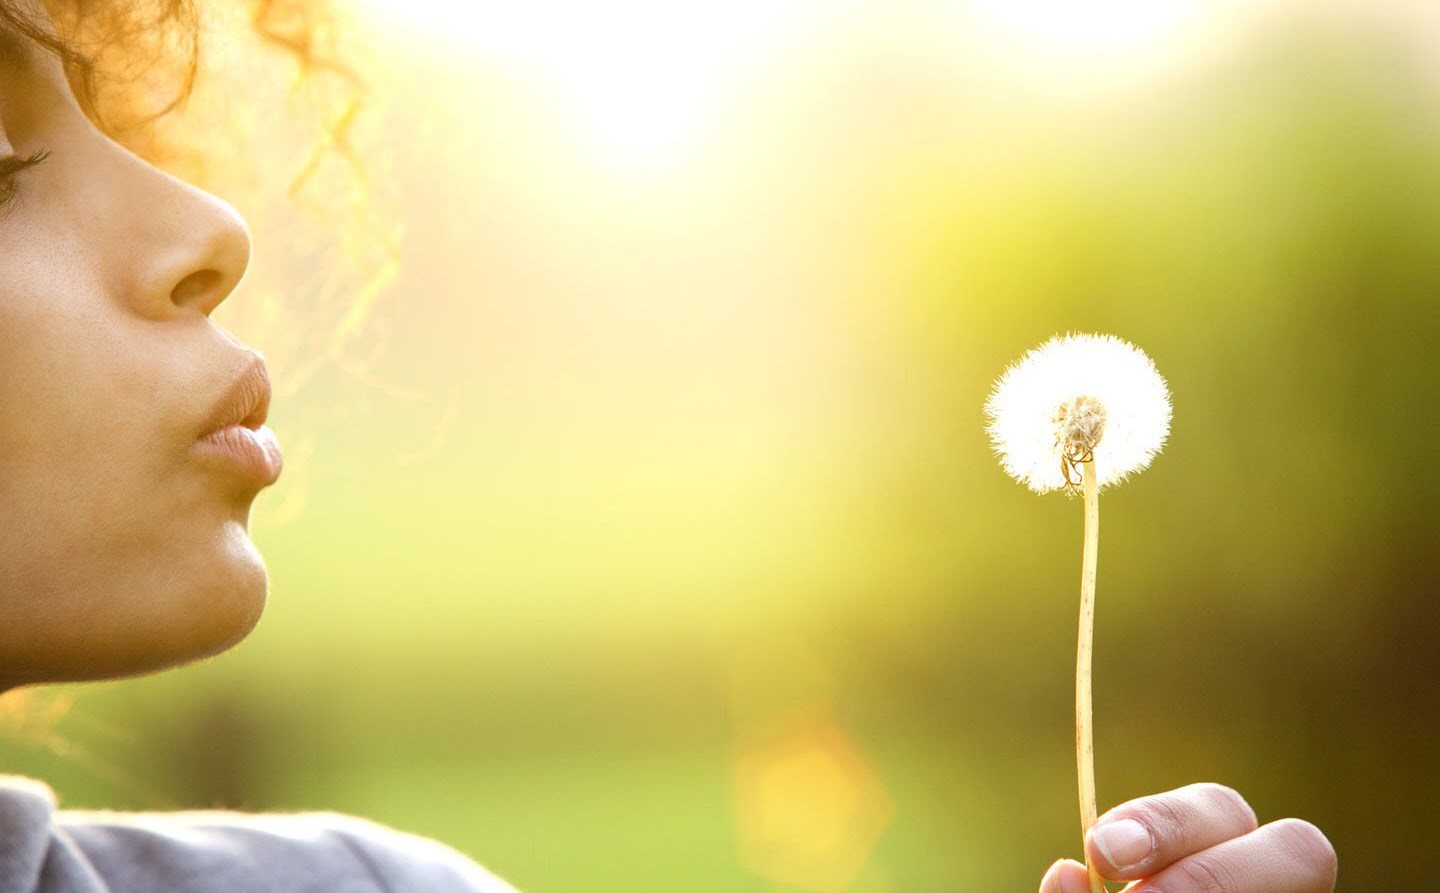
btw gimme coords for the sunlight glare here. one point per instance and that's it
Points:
(1101, 45)
(642, 76)
(1097, 24)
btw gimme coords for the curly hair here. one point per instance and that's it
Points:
(131, 64)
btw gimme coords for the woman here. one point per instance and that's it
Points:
(132, 443)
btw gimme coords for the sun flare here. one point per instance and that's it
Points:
(1102, 24)
(1100, 47)
(641, 76)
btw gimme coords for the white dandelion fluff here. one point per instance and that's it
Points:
(1074, 398)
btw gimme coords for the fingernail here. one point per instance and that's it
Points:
(1124, 843)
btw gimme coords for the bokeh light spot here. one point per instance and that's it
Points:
(809, 810)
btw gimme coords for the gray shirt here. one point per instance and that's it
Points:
(43, 850)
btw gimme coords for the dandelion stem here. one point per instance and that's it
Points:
(1084, 737)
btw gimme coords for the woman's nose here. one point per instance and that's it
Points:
(210, 255)
(220, 244)
(190, 249)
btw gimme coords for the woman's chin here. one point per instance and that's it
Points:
(153, 618)
(211, 609)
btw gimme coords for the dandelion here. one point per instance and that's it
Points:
(1076, 396)
(1078, 413)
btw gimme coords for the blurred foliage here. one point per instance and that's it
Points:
(688, 468)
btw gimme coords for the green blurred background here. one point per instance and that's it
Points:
(657, 545)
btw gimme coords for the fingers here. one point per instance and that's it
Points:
(1200, 839)
(1288, 856)
(1066, 876)
(1142, 836)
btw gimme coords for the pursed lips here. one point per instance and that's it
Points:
(235, 436)
(247, 401)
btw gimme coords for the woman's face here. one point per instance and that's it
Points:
(123, 542)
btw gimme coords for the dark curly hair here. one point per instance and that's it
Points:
(133, 62)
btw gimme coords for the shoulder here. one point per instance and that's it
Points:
(228, 852)
(406, 862)
(233, 852)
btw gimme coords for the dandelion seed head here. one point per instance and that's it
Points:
(1073, 398)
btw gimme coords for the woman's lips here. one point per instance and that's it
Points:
(237, 437)
(253, 452)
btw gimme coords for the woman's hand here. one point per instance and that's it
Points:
(1202, 838)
